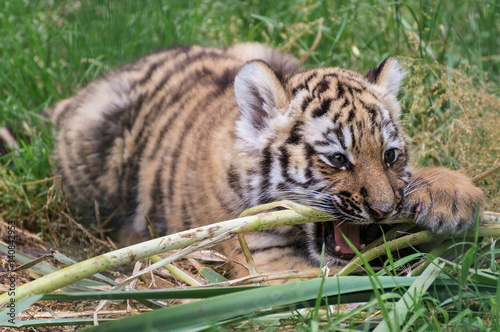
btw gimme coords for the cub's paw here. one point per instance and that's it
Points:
(442, 201)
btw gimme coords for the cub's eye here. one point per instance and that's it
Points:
(390, 156)
(338, 159)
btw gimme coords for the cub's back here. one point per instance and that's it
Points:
(142, 139)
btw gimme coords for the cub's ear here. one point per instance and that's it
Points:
(260, 97)
(388, 74)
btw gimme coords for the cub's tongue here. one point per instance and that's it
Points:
(351, 231)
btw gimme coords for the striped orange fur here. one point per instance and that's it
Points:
(190, 136)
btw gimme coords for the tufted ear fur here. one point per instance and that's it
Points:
(388, 74)
(261, 98)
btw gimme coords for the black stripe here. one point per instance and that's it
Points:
(295, 136)
(353, 138)
(265, 170)
(309, 150)
(349, 89)
(186, 216)
(308, 79)
(321, 87)
(361, 84)
(184, 65)
(305, 103)
(234, 181)
(332, 75)
(167, 55)
(298, 88)
(345, 104)
(351, 116)
(129, 196)
(259, 115)
(157, 211)
(322, 143)
(225, 79)
(454, 207)
(283, 187)
(223, 203)
(112, 127)
(339, 132)
(181, 140)
(372, 111)
(323, 109)
(149, 72)
(336, 117)
(284, 160)
(394, 134)
(340, 90)
(318, 236)
(158, 109)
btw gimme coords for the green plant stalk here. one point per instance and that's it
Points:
(299, 208)
(389, 235)
(177, 272)
(247, 253)
(486, 230)
(491, 217)
(436, 252)
(172, 258)
(127, 255)
(208, 242)
(399, 243)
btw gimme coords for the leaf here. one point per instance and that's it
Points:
(212, 276)
(17, 308)
(267, 20)
(412, 295)
(202, 314)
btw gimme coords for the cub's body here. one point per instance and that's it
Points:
(191, 136)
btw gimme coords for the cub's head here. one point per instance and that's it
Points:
(328, 138)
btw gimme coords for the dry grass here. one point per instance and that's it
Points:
(453, 118)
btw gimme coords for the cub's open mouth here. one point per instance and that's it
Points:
(335, 243)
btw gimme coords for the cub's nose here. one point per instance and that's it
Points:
(377, 214)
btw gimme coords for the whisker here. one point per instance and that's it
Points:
(419, 183)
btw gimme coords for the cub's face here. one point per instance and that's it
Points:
(327, 138)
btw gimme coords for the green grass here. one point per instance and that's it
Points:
(50, 49)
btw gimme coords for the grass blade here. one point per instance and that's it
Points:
(202, 314)
(412, 296)
(6, 315)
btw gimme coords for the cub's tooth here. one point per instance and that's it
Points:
(362, 246)
(337, 248)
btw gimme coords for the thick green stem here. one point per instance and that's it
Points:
(127, 255)
(489, 230)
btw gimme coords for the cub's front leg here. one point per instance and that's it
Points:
(442, 200)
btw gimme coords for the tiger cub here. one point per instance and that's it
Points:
(191, 136)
